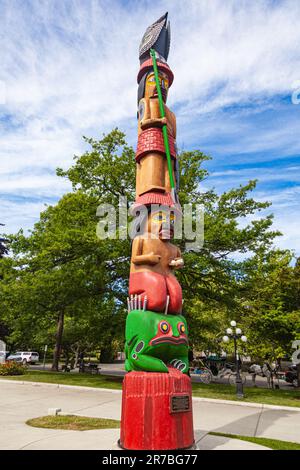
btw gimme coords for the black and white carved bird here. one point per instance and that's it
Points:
(157, 37)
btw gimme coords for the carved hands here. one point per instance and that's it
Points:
(176, 263)
(151, 259)
(153, 122)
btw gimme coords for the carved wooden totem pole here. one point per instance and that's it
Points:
(157, 401)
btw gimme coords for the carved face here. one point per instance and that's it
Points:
(170, 334)
(150, 85)
(161, 223)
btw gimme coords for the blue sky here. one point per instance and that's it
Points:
(68, 68)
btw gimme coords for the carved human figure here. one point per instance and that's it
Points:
(154, 259)
(152, 167)
(148, 110)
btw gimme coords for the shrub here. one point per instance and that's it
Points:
(12, 368)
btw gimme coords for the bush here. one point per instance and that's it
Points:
(12, 368)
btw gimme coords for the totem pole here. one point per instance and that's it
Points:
(157, 402)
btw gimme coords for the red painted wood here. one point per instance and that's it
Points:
(154, 198)
(151, 140)
(147, 420)
(156, 287)
(147, 66)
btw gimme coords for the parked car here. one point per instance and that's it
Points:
(24, 357)
(291, 375)
(14, 358)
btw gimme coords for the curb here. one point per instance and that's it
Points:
(249, 404)
(216, 401)
(63, 386)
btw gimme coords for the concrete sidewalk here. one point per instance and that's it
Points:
(19, 402)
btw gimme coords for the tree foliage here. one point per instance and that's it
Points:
(63, 286)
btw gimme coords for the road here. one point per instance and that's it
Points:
(117, 369)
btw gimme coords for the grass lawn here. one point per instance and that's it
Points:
(273, 444)
(219, 391)
(83, 423)
(252, 394)
(73, 423)
(85, 380)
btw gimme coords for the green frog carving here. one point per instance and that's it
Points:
(155, 340)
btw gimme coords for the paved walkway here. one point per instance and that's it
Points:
(19, 402)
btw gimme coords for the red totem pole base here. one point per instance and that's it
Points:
(157, 411)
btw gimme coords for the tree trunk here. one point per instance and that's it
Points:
(76, 357)
(107, 355)
(57, 349)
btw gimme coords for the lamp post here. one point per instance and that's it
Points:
(236, 335)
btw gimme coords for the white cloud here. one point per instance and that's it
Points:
(19, 214)
(69, 68)
(268, 175)
(243, 48)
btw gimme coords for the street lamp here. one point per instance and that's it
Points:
(236, 335)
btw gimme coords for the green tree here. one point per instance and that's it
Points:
(211, 277)
(271, 294)
(58, 270)
(63, 276)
